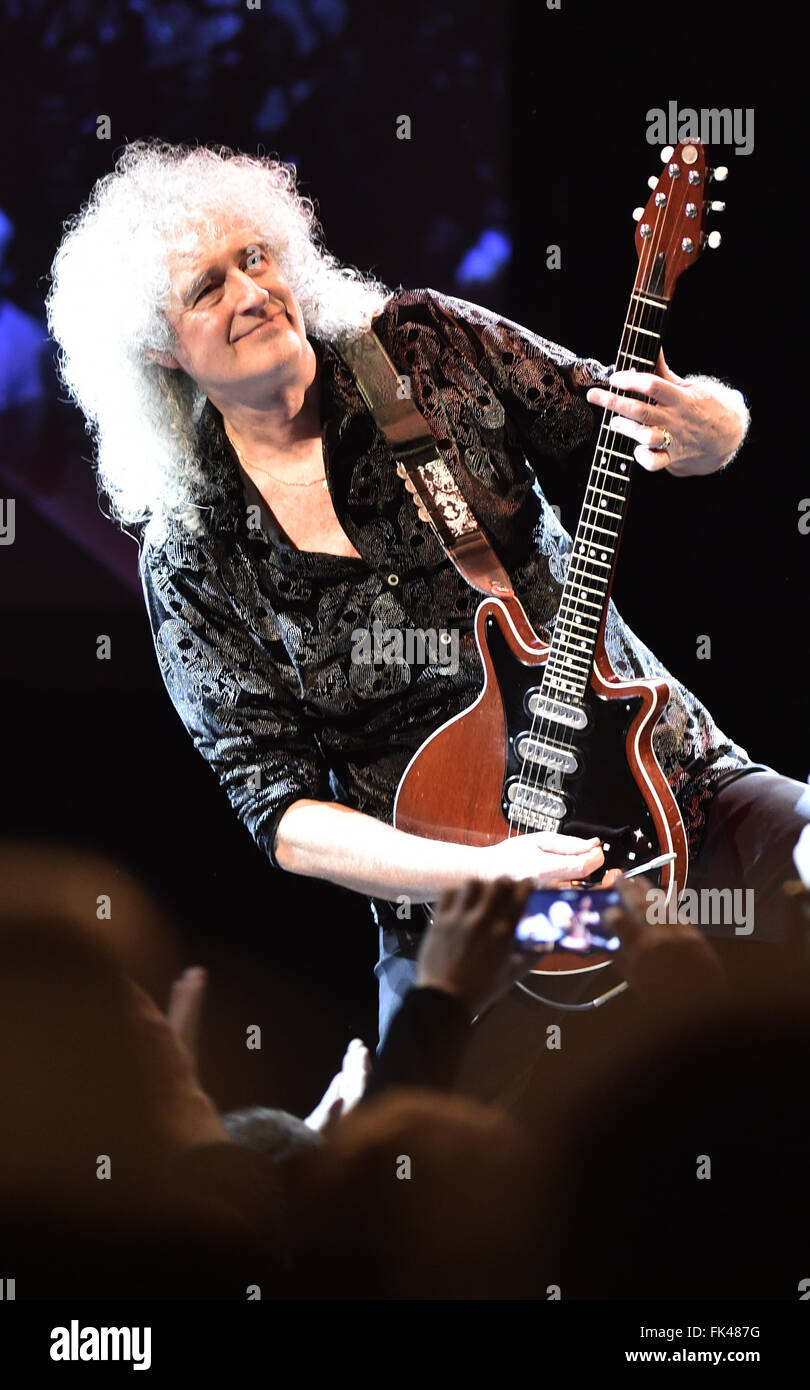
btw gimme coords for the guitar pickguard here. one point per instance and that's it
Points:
(584, 771)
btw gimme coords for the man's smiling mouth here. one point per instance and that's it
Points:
(262, 324)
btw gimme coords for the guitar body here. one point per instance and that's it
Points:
(457, 785)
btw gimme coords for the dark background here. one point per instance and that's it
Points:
(528, 128)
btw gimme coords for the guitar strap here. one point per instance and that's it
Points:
(420, 464)
(439, 501)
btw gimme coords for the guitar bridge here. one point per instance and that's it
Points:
(524, 801)
(532, 820)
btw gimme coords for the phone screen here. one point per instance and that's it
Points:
(568, 919)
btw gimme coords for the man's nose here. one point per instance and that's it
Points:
(248, 294)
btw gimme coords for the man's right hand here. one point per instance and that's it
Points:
(551, 861)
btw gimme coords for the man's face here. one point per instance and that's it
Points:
(238, 327)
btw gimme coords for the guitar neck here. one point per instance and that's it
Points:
(596, 543)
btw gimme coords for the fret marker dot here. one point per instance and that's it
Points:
(603, 503)
(604, 556)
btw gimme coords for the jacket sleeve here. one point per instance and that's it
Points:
(425, 1044)
(232, 697)
(540, 384)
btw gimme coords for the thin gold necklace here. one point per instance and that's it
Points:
(285, 481)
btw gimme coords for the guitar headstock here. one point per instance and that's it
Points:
(671, 233)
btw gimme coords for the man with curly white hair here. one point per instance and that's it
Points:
(198, 315)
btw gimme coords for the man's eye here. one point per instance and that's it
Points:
(203, 292)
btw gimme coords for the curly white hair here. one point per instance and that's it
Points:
(110, 288)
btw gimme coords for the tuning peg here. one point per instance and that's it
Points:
(717, 207)
(667, 153)
(713, 240)
(638, 213)
(652, 181)
(720, 174)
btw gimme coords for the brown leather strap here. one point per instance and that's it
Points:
(419, 462)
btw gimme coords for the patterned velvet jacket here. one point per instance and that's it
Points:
(254, 637)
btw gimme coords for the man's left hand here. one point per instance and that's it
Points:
(689, 426)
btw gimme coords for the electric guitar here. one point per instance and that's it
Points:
(557, 740)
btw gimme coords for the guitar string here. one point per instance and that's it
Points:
(606, 438)
(586, 541)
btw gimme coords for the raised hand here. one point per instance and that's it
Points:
(672, 967)
(185, 1008)
(344, 1090)
(468, 951)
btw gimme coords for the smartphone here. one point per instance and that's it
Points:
(567, 919)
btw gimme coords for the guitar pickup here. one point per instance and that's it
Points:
(534, 750)
(559, 711)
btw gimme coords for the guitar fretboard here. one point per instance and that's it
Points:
(585, 592)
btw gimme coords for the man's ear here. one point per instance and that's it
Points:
(163, 359)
